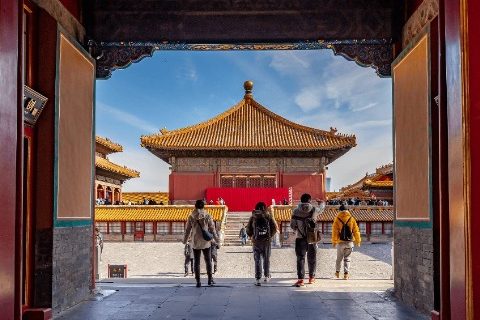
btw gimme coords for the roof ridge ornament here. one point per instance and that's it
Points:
(248, 86)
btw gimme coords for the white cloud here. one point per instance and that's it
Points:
(126, 118)
(154, 172)
(373, 123)
(368, 106)
(188, 71)
(309, 98)
(289, 62)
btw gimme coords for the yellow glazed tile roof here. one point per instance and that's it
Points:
(380, 173)
(361, 213)
(378, 184)
(137, 197)
(248, 126)
(154, 213)
(107, 143)
(105, 164)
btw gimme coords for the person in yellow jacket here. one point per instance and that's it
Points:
(345, 233)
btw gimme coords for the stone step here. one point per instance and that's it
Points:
(233, 223)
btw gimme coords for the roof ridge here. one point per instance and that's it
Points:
(247, 102)
(200, 125)
(106, 142)
(124, 170)
(278, 117)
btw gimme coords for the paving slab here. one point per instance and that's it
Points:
(242, 300)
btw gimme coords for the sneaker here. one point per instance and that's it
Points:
(346, 276)
(257, 282)
(266, 279)
(186, 274)
(311, 280)
(211, 282)
(199, 284)
(337, 274)
(299, 283)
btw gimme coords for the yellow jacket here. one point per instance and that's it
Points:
(337, 227)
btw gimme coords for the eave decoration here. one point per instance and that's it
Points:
(110, 56)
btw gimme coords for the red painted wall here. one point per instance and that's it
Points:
(73, 6)
(305, 183)
(245, 199)
(190, 186)
(474, 83)
(11, 128)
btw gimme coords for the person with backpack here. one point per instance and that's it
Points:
(345, 233)
(200, 225)
(243, 235)
(304, 219)
(261, 228)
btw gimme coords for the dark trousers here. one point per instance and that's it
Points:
(196, 262)
(214, 259)
(261, 251)
(301, 248)
(188, 261)
(213, 253)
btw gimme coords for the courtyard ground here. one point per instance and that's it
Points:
(157, 289)
(165, 260)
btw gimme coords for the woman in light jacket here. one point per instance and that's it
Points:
(200, 219)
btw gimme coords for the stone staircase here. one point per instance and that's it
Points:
(233, 224)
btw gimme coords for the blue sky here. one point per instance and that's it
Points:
(174, 89)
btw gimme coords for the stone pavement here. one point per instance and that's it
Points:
(138, 299)
(165, 260)
(157, 289)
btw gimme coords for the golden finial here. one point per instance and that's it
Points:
(248, 85)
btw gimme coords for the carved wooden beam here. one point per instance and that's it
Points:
(379, 56)
(118, 55)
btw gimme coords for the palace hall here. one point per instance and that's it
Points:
(245, 155)
(109, 176)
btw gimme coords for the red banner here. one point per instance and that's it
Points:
(245, 199)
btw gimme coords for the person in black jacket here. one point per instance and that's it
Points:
(301, 214)
(261, 228)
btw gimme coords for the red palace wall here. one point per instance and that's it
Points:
(189, 186)
(312, 183)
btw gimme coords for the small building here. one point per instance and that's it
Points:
(150, 222)
(370, 188)
(247, 152)
(109, 176)
(375, 222)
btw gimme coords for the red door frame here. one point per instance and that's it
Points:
(11, 144)
(462, 103)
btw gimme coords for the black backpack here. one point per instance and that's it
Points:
(345, 233)
(261, 230)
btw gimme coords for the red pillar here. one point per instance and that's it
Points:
(473, 81)
(11, 131)
(462, 75)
